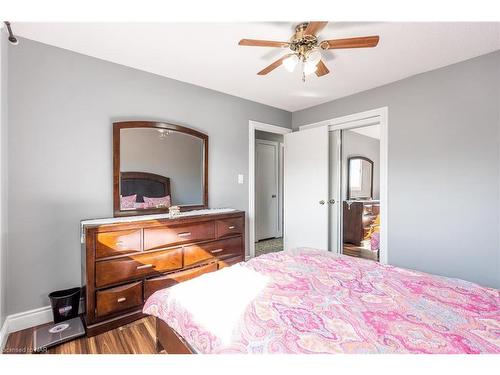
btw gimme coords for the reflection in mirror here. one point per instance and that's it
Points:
(159, 168)
(360, 178)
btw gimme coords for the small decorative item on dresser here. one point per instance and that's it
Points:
(174, 210)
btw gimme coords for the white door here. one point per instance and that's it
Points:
(306, 189)
(266, 189)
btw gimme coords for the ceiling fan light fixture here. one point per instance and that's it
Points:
(310, 67)
(290, 63)
(313, 57)
(164, 133)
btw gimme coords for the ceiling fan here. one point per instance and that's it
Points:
(306, 48)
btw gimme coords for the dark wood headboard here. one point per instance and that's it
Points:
(144, 184)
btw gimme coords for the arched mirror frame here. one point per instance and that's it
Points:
(349, 175)
(117, 127)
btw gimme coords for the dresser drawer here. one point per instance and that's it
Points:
(109, 272)
(157, 238)
(116, 243)
(198, 253)
(162, 282)
(117, 299)
(229, 261)
(230, 227)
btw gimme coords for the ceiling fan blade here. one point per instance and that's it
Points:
(313, 28)
(262, 43)
(273, 66)
(321, 69)
(361, 42)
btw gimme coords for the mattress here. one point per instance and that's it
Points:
(313, 301)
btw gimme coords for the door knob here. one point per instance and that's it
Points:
(322, 202)
(331, 201)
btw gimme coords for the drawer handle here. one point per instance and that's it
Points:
(217, 251)
(119, 243)
(232, 227)
(144, 266)
(185, 234)
(120, 300)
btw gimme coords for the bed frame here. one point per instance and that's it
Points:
(170, 342)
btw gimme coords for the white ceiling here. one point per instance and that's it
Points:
(208, 55)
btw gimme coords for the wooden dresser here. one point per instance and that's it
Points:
(125, 262)
(357, 218)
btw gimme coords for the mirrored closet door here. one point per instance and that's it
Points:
(360, 190)
(332, 191)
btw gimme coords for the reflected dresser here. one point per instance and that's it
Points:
(125, 260)
(358, 216)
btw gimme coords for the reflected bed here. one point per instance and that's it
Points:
(141, 186)
(312, 301)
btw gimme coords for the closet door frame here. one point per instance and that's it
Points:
(378, 116)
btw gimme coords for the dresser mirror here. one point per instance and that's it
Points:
(157, 165)
(360, 178)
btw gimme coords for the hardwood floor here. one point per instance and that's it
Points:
(362, 251)
(138, 337)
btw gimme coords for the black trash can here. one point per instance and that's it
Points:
(65, 304)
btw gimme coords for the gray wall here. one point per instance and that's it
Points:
(178, 156)
(3, 173)
(61, 107)
(444, 165)
(354, 144)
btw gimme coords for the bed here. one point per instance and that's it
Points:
(312, 301)
(144, 184)
(143, 191)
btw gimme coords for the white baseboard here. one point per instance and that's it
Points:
(3, 335)
(23, 320)
(27, 319)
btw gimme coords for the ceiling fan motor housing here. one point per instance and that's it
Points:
(302, 43)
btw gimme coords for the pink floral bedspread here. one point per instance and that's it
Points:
(311, 301)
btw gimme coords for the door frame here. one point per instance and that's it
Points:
(281, 186)
(252, 127)
(277, 186)
(378, 116)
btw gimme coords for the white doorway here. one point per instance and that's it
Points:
(267, 189)
(255, 127)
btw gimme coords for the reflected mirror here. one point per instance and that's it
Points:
(158, 165)
(360, 178)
